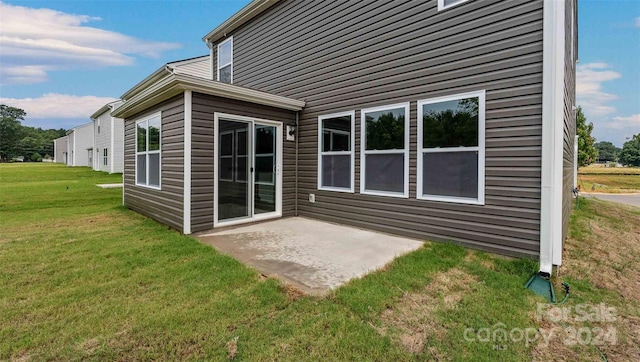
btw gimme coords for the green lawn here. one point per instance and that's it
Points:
(83, 278)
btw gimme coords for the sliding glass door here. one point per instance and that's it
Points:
(248, 170)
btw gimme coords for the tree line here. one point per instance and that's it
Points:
(589, 151)
(17, 140)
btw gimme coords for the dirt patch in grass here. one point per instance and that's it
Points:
(414, 320)
(232, 348)
(604, 253)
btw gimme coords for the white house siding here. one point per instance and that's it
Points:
(80, 141)
(117, 155)
(60, 149)
(103, 141)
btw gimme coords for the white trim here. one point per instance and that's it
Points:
(250, 11)
(175, 84)
(442, 6)
(219, 66)
(186, 202)
(250, 140)
(351, 153)
(159, 152)
(481, 95)
(113, 146)
(405, 151)
(552, 135)
(575, 161)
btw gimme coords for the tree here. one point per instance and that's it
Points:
(10, 131)
(630, 154)
(586, 152)
(35, 157)
(606, 151)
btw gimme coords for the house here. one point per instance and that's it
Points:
(80, 145)
(60, 150)
(108, 140)
(448, 120)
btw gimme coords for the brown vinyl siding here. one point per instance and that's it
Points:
(345, 56)
(202, 154)
(569, 129)
(165, 205)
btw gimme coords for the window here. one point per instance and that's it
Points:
(384, 156)
(225, 61)
(445, 4)
(148, 136)
(105, 157)
(233, 155)
(90, 153)
(264, 157)
(336, 146)
(98, 125)
(451, 148)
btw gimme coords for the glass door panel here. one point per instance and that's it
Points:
(265, 169)
(233, 164)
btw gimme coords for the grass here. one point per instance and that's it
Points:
(86, 279)
(595, 178)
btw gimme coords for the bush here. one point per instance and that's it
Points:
(35, 157)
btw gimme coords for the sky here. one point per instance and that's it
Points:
(61, 61)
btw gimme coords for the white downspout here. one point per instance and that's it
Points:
(575, 162)
(186, 223)
(552, 136)
(112, 147)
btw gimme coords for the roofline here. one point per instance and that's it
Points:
(80, 126)
(104, 108)
(177, 83)
(187, 61)
(152, 78)
(247, 13)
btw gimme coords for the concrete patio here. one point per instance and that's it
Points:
(314, 256)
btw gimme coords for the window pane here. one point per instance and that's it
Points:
(336, 134)
(241, 169)
(225, 74)
(385, 129)
(384, 172)
(154, 134)
(264, 169)
(226, 144)
(224, 53)
(451, 123)
(336, 171)
(226, 169)
(241, 143)
(142, 137)
(265, 138)
(141, 170)
(450, 174)
(154, 169)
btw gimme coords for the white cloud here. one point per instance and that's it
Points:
(58, 106)
(37, 41)
(589, 79)
(625, 123)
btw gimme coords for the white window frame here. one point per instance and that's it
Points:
(481, 95)
(147, 153)
(442, 6)
(105, 156)
(352, 153)
(364, 152)
(219, 66)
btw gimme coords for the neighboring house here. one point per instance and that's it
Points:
(108, 140)
(80, 145)
(60, 150)
(446, 120)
